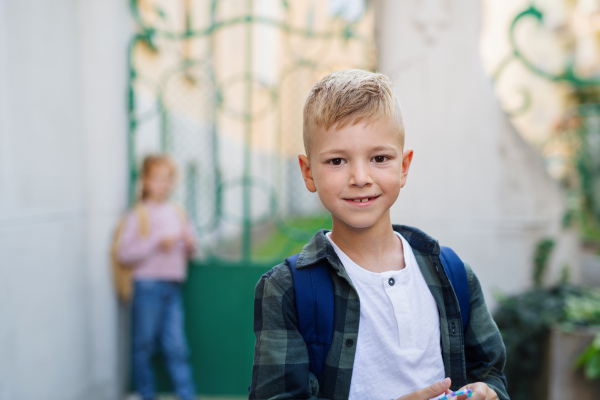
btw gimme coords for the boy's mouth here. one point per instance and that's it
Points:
(362, 199)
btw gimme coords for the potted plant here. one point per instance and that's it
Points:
(552, 337)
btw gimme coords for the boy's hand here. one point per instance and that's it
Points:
(481, 391)
(429, 392)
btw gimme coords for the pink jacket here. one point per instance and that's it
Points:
(145, 253)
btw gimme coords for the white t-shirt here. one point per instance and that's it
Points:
(398, 348)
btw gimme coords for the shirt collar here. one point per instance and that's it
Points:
(319, 247)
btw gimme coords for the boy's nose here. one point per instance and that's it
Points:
(360, 175)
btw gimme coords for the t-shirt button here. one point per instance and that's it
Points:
(349, 342)
(391, 281)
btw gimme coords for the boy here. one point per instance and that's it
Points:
(387, 279)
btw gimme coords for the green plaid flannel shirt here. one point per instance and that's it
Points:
(280, 369)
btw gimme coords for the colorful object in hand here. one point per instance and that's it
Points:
(447, 396)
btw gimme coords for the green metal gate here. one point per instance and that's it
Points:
(220, 85)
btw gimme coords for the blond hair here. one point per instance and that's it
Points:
(151, 161)
(349, 97)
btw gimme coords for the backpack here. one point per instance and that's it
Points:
(315, 304)
(122, 273)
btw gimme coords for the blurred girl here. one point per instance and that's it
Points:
(159, 259)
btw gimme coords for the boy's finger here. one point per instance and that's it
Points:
(429, 392)
(477, 392)
(462, 396)
(437, 388)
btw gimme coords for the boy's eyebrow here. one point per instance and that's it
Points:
(385, 147)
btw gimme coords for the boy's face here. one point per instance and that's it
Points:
(357, 172)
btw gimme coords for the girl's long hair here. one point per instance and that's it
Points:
(150, 161)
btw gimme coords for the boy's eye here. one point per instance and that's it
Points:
(379, 159)
(336, 161)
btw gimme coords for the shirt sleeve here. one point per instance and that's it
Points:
(132, 247)
(280, 369)
(485, 354)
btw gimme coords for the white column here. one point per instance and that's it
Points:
(105, 30)
(6, 175)
(63, 142)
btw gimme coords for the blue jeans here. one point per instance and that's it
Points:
(158, 318)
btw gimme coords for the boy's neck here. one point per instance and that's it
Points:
(376, 249)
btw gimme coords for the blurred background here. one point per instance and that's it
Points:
(501, 102)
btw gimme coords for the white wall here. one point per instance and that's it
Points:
(62, 186)
(474, 183)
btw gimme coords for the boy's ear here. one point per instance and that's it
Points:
(307, 173)
(407, 157)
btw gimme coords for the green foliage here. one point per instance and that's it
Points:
(568, 218)
(589, 229)
(590, 359)
(584, 310)
(540, 261)
(565, 274)
(586, 159)
(525, 321)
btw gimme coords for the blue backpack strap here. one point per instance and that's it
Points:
(314, 306)
(455, 269)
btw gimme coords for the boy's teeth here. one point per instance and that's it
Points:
(361, 200)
